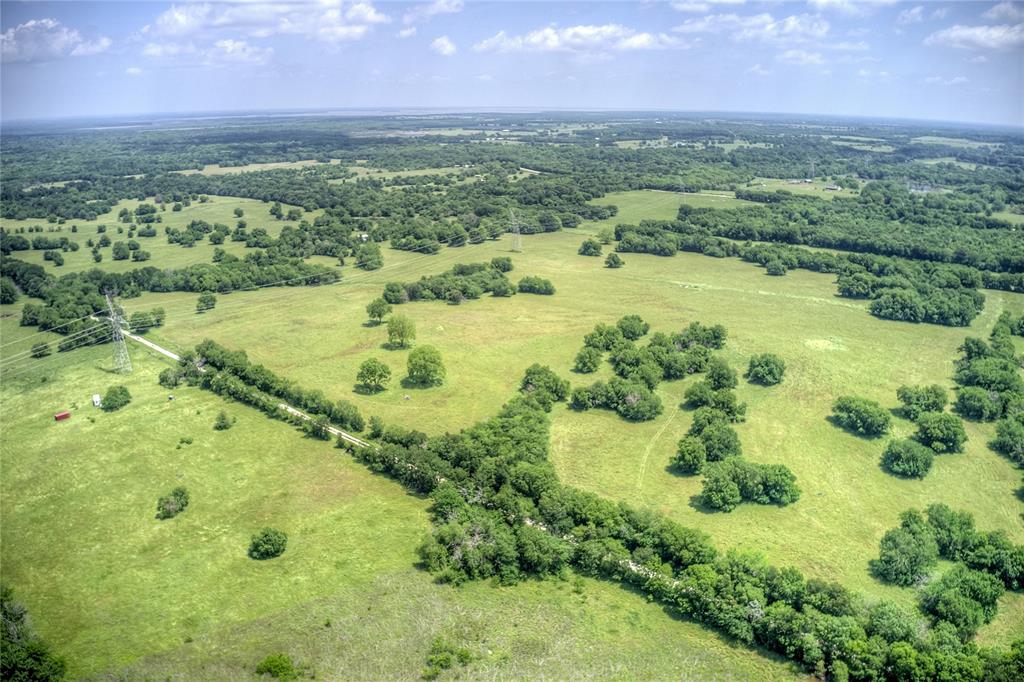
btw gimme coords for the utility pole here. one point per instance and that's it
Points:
(122, 361)
(517, 237)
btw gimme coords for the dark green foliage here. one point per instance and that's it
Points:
(544, 386)
(172, 504)
(633, 401)
(502, 263)
(425, 367)
(278, 666)
(444, 656)
(720, 374)
(536, 285)
(941, 431)
(115, 398)
(632, 327)
(979, 404)
(267, 544)
(1009, 438)
(8, 292)
(697, 334)
(40, 350)
(368, 256)
(861, 415)
(23, 656)
(776, 268)
(464, 282)
(691, 455)
(906, 457)
(603, 338)
(734, 480)
(206, 301)
(223, 422)
(378, 309)
(918, 399)
(766, 369)
(590, 247)
(587, 360)
(908, 553)
(613, 260)
(963, 597)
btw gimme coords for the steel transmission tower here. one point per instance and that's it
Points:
(517, 237)
(122, 361)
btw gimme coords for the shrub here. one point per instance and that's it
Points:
(172, 504)
(536, 285)
(941, 431)
(267, 544)
(40, 350)
(766, 369)
(1009, 438)
(115, 398)
(544, 385)
(979, 404)
(222, 422)
(775, 268)
(908, 458)
(590, 247)
(905, 557)
(278, 666)
(587, 360)
(502, 263)
(205, 302)
(613, 260)
(918, 399)
(632, 327)
(443, 656)
(721, 375)
(861, 415)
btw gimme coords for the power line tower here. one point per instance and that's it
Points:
(517, 236)
(122, 361)
(811, 176)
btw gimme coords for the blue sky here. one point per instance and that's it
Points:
(959, 61)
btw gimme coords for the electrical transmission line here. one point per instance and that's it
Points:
(122, 362)
(517, 236)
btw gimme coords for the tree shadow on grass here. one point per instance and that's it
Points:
(406, 382)
(369, 324)
(363, 389)
(387, 345)
(697, 504)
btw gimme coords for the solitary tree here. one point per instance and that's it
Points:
(590, 247)
(40, 350)
(425, 367)
(115, 398)
(267, 544)
(401, 331)
(223, 422)
(766, 369)
(614, 261)
(206, 302)
(378, 309)
(374, 375)
(171, 505)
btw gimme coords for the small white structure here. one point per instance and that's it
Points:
(96, 400)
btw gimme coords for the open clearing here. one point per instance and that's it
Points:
(217, 169)
(954, 142)
(951, 160)
(815, 188)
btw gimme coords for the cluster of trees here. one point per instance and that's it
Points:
(465, 281)
(732, 481)
(632, 400)
(23, 655)
(71, 299)
(965, 597)
(860, 415)
(535, 285)
(173, 503)
(235, 365)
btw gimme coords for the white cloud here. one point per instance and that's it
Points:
(329, 20)
(578, 39)
(702, 6)
(444, 46)
(850, 7)
(133, 71)
(939, 80)
(407, 32)
(1005, 11)
(800, 58)
(42, 39)
(911, 16)
(237, 52)
(940, 13)
(759, 70)
(795, 28)
(847, 46)
(426, 10)
(978, 59)
(485, 77)
(170, 49)
(999, 37)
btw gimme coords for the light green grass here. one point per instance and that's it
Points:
(649, 204)
(217, 169)
(951, 160)
(832, 346)
(381, 174)
(164, 255)
(865, 146)
(816, 188)
(109, 586)
(954, 142)
(1017, 218)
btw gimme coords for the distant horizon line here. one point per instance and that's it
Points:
(390, 111)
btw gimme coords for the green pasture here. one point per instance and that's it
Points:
(815, 188)
(217, 169)
(954, 142)
(951, 160)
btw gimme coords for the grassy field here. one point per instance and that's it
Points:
(217, 169)
(865, 146)
(949, 159)
(954, 142)
(1017, 218)
(833, 347)
(164, 255)
(180, 599)
(816, 188)
(649, 204)
(109, 586)
(381, 174)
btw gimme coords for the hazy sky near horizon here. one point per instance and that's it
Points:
(955, 61)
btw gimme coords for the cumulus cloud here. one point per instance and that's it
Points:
(426, 10)
(915, 15)
(578, 39)
(238, 52)
(133, 71)
(1005, 11)
(940, 80)
(998, 37)
(801, 58)
(407, 32)
(328, 21)
(850, 7)
(43, 39)
(759, 70)
(763, 27)
(444, 46)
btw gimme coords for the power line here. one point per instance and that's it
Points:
(122, 361)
